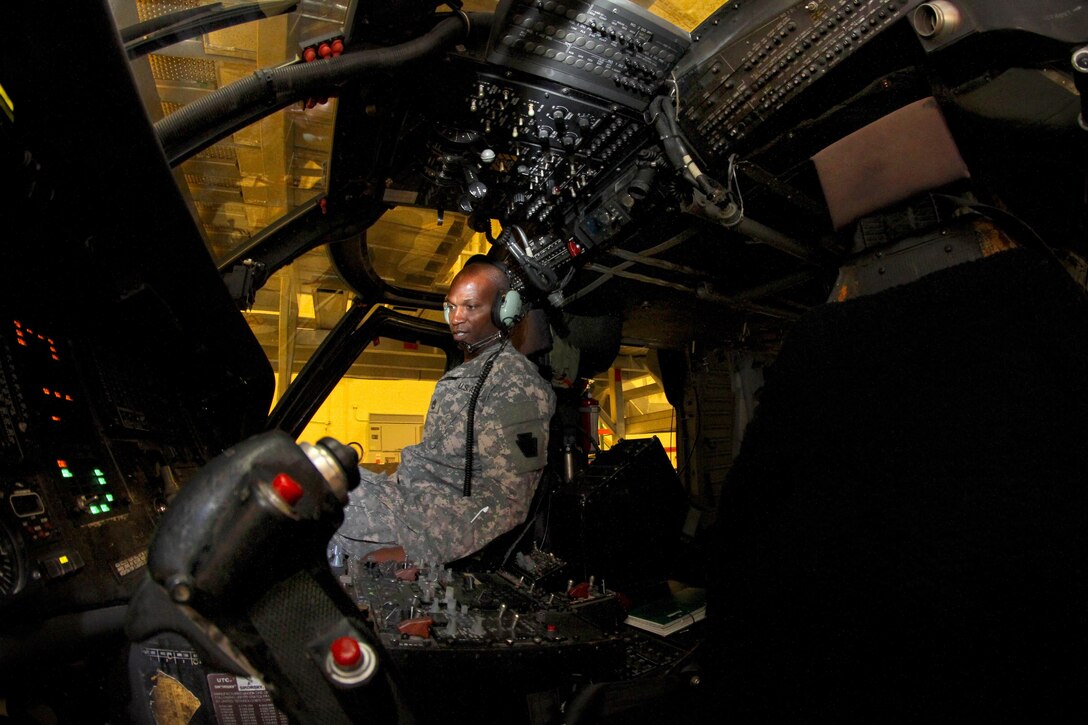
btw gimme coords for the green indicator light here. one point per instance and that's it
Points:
(109, 497)
(105, 508)
(98, 472)
(65, 473)
(94, 509)
(101, 481)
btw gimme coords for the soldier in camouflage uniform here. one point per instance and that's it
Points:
(422, 507)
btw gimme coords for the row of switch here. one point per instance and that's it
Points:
(721, 137)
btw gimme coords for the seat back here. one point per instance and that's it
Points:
(905, 530)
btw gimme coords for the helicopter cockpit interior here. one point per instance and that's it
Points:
(843, 242)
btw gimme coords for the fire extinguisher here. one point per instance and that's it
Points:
(589, 411)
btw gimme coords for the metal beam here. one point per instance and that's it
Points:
(607, 273)
(659, 263)
(659, 422)
(287, 324)
(406, 360)
(643, 391)
(616, 402)
(604, 417)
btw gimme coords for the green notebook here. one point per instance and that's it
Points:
(670, 614)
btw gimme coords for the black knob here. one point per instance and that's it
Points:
(345, 456)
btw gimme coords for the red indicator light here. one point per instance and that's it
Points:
(61, 463)
(22, 342)
(68, 398)
(346, 653)
(47, 391)
(18, 324)
(56, 418)
(54, 357)
(56, 394)
(287, 488)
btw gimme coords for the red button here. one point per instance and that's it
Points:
(346, 652)
(287, 488)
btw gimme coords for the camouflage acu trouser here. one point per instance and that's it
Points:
(432, 521)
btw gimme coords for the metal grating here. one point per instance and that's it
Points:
(221, 151)
(218, 182)
(183, 70)
(148, 9)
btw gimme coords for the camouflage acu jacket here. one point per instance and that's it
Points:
(432, 520)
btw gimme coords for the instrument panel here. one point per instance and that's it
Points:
(742, 82)
(616, 51)
(73, 521)
(524, 625)
(521, 149)
(94, 442)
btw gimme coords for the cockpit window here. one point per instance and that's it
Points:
(252, 178)
(416, 249)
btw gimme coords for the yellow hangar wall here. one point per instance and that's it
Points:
(383, 416)
(396, 407)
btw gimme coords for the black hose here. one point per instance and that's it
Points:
(672, 140)
(669, 141)
(203, 122)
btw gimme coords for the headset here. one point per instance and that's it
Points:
(506, 308)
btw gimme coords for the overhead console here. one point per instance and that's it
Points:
(614, 50)
(541, 149)
(753, 60)
(591, 125)
(554, 117)
(750, 65)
